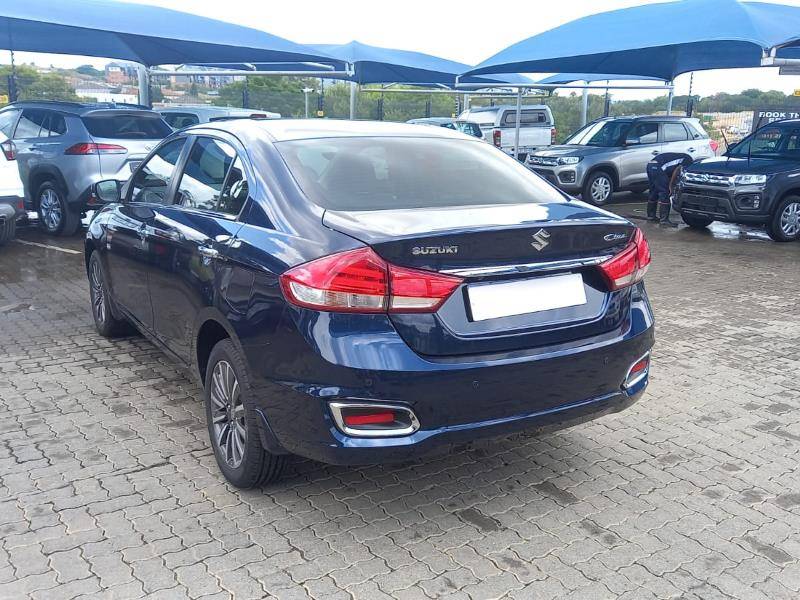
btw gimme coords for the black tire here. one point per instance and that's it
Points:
(598, 189)
(56, 217)
(784, 224)
(103, 311)
(696, 221)
(8, 229)
(256, 466)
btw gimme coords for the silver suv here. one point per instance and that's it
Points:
(62, 148)
(611, 154)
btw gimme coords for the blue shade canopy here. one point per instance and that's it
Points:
(563, 78)
(145, 34)
(659, 40)
(373, 64)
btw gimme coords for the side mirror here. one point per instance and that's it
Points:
(107, 191)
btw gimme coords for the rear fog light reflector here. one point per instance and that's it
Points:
(637, 372)
(362, 419)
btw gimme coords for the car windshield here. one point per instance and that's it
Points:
(127, 127)
(769, 142)
(381, 173)
(601, 133)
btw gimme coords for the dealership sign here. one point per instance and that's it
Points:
(769, 115)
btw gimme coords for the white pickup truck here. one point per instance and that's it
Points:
(498, 124)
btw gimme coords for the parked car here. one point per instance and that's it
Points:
(360, 292)
(467, 127)
(182, 116)
(611, 154)
(11, 192)
(498, 125)
(756, 182)
(62, 148)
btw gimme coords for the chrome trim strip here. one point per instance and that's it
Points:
(626, 385)
(336, 412)
(536, 267)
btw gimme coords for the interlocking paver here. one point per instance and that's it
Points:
(108, 488)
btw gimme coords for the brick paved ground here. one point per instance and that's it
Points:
(108, 488)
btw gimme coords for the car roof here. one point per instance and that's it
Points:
(206, 109)
(280, 130)
(76, 108)
(477, 109)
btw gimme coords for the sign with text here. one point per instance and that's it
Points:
(766, 116)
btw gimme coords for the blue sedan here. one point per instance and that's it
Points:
(358, 292)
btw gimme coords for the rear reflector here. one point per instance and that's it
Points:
(637, 372)
(84, 148)
(630, 265)
(9, 150)
(366, 419)
(360, 281)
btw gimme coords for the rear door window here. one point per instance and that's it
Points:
(30, 123)
(126, 127)
(643, 133)
(152, 180)
(674, 132)
(53, 126)
(7, 120)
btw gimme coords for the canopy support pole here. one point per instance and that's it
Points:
(352, 100)
(584, 106)
(516, 126)
(670, 97)
(144, 85)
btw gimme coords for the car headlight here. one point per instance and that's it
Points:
(750, 179)
(569, 160)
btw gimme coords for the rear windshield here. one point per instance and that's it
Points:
(381, 173)
(126, 127)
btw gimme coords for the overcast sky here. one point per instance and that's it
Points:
(465, 31)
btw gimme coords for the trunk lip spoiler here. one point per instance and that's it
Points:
(534, 267)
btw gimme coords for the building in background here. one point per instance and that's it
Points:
(121, 72)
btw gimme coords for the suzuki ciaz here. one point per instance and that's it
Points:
(357, 292)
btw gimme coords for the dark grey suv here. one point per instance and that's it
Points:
(62, 148)
(611, 154)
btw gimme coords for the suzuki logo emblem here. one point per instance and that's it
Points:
(540, 240)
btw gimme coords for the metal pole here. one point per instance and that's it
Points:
(466, 101)
(305, 97)
(669, 98)
(584, 106)
(13, 90)
(606, 103)
(352, 100)
(516, 126)
(143, 74)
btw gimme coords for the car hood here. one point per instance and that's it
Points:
(734, 166)
(571, 150)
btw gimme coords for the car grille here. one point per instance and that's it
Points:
(706, 201)
(546, 161)
(707, 178)
(547, 175)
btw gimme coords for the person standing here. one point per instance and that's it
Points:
(662, 176)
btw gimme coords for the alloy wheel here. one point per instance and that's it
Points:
(790, 220)
(98, 294)
(50, 209)
(227, 414)
(600, 189)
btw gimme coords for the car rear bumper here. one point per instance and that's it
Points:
(14, 204)
(456, 402)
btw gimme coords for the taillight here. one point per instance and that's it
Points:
(83, 148)
(361, 281)
(9, 150)
(497, 138)
(553, 135)
(630, 265)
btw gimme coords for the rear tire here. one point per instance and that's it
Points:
(233, 421)
(55, 214)
(696, 221)
(7, 231)
(784, 225)
(598, 188)
(105, 322)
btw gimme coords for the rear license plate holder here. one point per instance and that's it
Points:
(512, 298)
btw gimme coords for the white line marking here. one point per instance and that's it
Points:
(48, 247)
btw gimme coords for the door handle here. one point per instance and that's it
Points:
(207, 252)
(655, 152)
(691, 149)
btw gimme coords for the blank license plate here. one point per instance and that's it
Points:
(494, 300)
